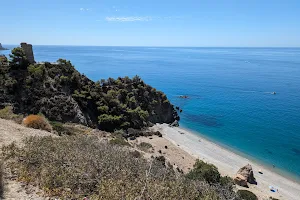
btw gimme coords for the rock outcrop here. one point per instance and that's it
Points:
(240, 180)
(2, 48)
(244, 175)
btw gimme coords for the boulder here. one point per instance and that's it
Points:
(244, 175)
(240, 180)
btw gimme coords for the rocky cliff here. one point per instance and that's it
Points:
(61, 93)
(1, 48)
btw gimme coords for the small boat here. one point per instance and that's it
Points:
(183, 96)
(259, 171)
(273, 92)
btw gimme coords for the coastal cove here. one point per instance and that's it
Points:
(229, 162)
(230, 91)
(251, 159)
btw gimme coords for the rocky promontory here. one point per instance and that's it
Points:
(61, 93)
(2, 48)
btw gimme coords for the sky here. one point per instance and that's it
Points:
(199, 23)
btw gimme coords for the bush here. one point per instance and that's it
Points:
(144, 146)
(246, 195)
(119, 133)
(65, 129)
(58, 127)
(204, 171)
(76, 166)
(7, 113)
(226, 180)
(37, 122)
(37, 71)
(119, 141)
(1, 179)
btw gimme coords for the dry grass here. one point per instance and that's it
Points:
(7, 113)
(144, 146)
(1, 179)
(37, 122)
(71, 167)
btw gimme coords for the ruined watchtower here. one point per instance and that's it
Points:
(27, 48)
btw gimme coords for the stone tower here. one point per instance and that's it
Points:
(28, 52)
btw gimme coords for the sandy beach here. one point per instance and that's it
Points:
(184, 147)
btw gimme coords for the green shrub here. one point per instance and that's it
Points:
(109, 122)
(37, 71)
(119, 141)
(226, 180)
(103, 109)
(7, 113)
(58, 127)
(246, 195)
(204, 171)
(118, 133)
(65, 129)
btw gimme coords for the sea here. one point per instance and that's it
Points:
(245, 99)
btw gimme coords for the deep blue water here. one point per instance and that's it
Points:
(230, 90)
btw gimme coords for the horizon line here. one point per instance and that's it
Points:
(157, 46)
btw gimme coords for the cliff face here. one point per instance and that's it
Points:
(61, 93)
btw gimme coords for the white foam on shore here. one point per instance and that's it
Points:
(229, 163)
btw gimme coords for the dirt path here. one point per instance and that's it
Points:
(9, 132)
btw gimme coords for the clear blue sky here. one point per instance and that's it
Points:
(151, 22)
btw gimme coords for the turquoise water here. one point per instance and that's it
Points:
(230, 91)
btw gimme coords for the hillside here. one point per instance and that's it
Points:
(61, 93)
(98, 165)
(12, 132)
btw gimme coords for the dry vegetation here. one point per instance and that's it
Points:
(37, 122)
(7, 113)
(77, 166)
(144, 146)
(1, 179)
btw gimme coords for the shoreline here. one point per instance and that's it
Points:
(229, 162)
(252, 159)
